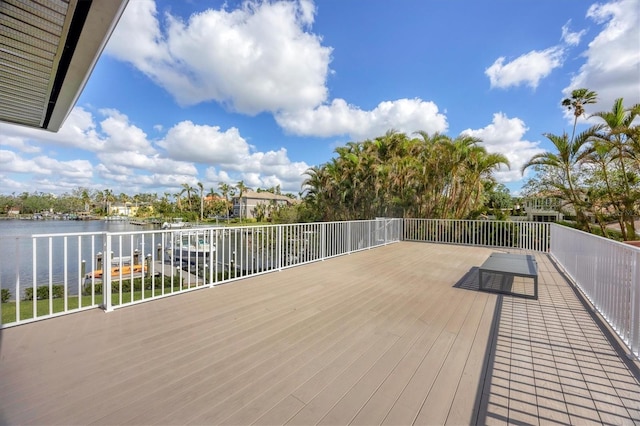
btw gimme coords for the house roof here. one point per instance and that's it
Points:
(48, 49)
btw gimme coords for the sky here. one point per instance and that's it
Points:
(259, 91)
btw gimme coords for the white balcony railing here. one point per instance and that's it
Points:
(50, 275)
(523, 235)
(608, 274)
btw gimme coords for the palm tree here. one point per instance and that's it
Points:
(242, 188)
(614, 134)
(98, 198)
(569, 155)
(225, 189)
(479, 168)
(201, 186)
(109, 198)
(85, 199)
(579, 98)
(188, 189)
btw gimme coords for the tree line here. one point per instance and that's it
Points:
(189, 202)
(594, 173)
(396, 175)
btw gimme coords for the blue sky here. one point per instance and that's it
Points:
(213, 91)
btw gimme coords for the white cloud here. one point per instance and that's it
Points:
(122, 135)
(612, 66)
(19, 143)
(230, 156)
(133, 162)
(255, 58)
(76, 171)
(340, 118)
(13, 163)
(527, 69)
(118, 155)
(505, 136)
(205, 144)
(571, 38)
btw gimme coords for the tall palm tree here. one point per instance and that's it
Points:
(188, 189)
(225, 189)
(579, 98)
(85, 199)
(614, 133)
(178, 196)
(201, 186)
(479, 168)
(109, 198)
(98, 198)
(242, 188)
(568, 156)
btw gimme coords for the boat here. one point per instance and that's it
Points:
(176, 223)
(119, 270)
(191, 247)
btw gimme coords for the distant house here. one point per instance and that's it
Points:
(245, 207)
(123, 209)
(544, 209)
(13, 212)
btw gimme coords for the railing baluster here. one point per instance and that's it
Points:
(34, 289)
(106, 274)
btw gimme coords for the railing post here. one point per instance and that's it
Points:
(386, 235)
(279, 246)
(17, 295)
(634, 336)
(323, 241)
(106, 276)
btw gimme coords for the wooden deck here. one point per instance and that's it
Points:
(395, 335)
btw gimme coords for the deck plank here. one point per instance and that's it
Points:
(394, 335)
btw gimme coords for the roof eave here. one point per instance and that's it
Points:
(98, 26)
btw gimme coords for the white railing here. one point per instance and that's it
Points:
(608, 274)
(54, 274)
(49, 274)
(523, 235)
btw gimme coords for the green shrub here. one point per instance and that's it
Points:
(137, 285)
(5, 295)
(42, 292)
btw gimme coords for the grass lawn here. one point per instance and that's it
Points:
(74, 302)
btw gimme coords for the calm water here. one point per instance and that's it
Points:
(17, 247)
(12, 228)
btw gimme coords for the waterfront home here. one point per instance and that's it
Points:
(245, 206)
